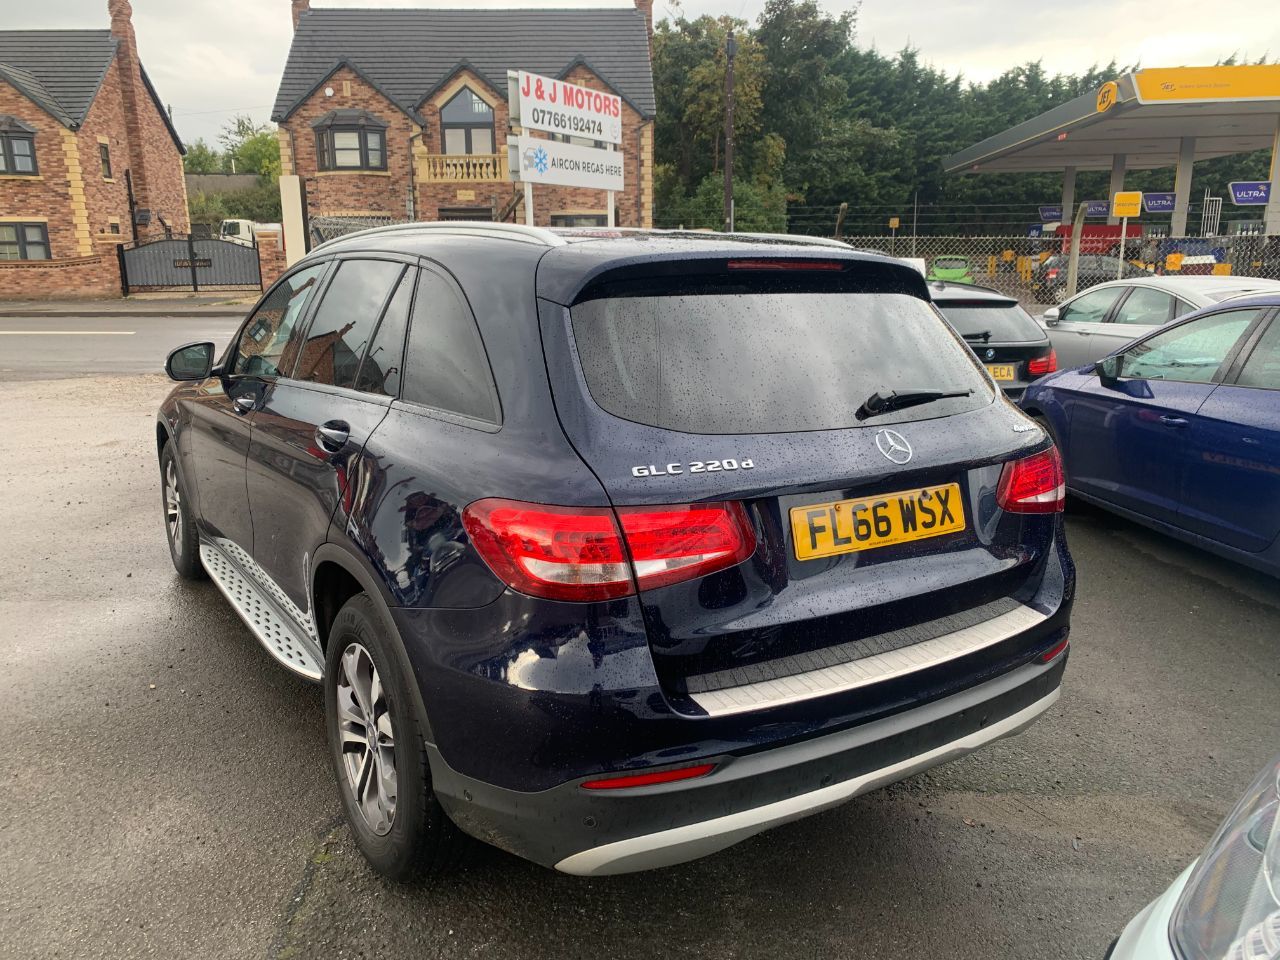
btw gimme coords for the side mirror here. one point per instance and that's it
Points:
(1108, 370)
(191, 362)
(1051, 316)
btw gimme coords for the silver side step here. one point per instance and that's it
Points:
(868, 670)
(277, 630)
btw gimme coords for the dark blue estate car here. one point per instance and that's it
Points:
(1180, 430)
(613, 550)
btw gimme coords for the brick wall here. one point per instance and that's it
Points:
(271, 260)
(76, 278)
(385, 194)
(106, 200)
(352, 192)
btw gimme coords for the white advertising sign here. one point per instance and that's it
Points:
(557, 106)
(568, 164)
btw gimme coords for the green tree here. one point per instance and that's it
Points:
(253, 146)
(202, 158)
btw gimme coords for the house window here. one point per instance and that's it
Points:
(104, 154)
(17, 148)
(579, 219)
(351, 140)
(24, 241)
(466, 124)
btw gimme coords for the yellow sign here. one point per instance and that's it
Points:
(893, 223)
(1108, 94)
(466, 194)
(1127, 204)
(1207, 84)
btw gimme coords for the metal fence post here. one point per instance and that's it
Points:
(191, 260)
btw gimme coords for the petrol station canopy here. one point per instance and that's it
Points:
(1164, 117)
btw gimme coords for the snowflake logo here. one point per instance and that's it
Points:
(538, 159)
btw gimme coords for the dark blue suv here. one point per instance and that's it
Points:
(613, 549)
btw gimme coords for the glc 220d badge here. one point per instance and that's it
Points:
(693, 466)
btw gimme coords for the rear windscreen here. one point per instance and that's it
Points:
(1005, 322)
(769, 362)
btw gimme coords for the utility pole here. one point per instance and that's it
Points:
(730, 49)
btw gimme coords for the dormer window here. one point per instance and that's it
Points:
(466, 124)
(351, 140)
(17, 148)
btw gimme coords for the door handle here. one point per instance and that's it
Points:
(245, 403)
(1169, 421)
(333, 435)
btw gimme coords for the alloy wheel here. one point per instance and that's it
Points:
(367, 739)
(172, 506)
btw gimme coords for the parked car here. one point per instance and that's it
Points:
(1093, 324)
(1049, 277)
(1014, 348)
(1181, 429)
(633, 547)
(1226, 905)
(951, 268)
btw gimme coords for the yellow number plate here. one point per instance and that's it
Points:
(1001, 371)
(846, 526)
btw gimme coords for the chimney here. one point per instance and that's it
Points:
(122, 27)
(646, 7)
(299, 8)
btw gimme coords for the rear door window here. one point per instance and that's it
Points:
(1005, 322)
(1262, 369)
(1145, 307)
(381, 370)
(345, 320)
(769, 362)
(1090, 307)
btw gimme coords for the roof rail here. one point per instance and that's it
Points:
(778, 238)
(474, 228)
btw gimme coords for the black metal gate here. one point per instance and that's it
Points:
(188, 263)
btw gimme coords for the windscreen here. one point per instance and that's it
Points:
(1005, 322)
(769, 362)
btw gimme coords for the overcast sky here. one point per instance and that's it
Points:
(211, 59)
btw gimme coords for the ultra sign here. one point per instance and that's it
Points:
(1157, 202)
(1250, 193)
(558, 106)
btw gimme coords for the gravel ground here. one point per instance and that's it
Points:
(167, 793)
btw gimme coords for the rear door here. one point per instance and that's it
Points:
(747, 387)
(1130, 440)
(1231, 488)
(1078, 320)
(313, 424)
(1141, 312)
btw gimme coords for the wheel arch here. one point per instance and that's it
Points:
(336, 576)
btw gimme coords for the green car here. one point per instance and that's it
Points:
(952, 269)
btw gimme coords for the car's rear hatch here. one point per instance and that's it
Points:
(1008, 341)
(707, 379)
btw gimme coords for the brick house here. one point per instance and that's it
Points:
(401, 114)
(81, 127)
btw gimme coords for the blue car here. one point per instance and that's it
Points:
(1180, 430)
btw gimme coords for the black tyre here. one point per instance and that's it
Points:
(376, 745)
(179, 528)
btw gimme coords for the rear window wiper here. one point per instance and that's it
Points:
(879, 403)
(983, 335)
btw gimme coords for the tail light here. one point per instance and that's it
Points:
(597, 553)
(1051, 273)
(1039, 366)
(1033, 484)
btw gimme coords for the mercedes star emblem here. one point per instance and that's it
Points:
(894, 446)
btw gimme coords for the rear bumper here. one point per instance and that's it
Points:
(592, 833)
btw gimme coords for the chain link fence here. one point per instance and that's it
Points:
(1034, 269)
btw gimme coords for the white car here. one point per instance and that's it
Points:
(1225, 906)
(1104, 318)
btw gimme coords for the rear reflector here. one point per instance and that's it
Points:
(786, 265)
(1034, 484)
(591, 553)
(1053, 652)
(649, 779)
(1039, 366)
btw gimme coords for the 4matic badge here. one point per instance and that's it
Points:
(693, 466)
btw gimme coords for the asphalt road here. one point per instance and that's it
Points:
(166, 792)
(40, 348)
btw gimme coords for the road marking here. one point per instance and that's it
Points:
(66, 333)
